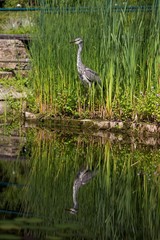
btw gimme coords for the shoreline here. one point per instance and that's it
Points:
(128, 127)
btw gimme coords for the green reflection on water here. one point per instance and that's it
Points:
(120, 202)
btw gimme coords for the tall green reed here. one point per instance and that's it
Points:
(122, 47)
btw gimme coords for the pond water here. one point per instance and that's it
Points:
(60, 184)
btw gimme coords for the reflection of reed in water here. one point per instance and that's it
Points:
(83, 177)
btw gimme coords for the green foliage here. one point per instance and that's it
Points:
(16, 106)
(65, 103)
(19, 83)
(148, 106)
(63, 3)
(13, 3)
(124, 52)
(122, 108)
(145, 107)
(16, 22)
(133, 2)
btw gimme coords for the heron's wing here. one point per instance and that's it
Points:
(91, 75)
(80, 76)
(83, 79)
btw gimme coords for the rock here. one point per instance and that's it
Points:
(3, 107)
(103, 124)
(146, 127)
(115, 126)
(30, 116)
(6, 74)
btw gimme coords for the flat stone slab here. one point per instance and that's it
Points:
(10, 92)
(6, 74)
(118, 126)
(3, 107)
(137, 128)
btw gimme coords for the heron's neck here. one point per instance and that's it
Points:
(79, 61)
(75, 193)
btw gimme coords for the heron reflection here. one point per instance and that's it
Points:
(82, 178)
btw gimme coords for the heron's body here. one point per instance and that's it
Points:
(87, 75)
(82, 178)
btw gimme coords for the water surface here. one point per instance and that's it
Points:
(57, 184)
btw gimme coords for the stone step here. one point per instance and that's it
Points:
(13, 73)
(6, 74)
(13, 54)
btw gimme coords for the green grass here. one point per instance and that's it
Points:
(16, 22)
(122, 47)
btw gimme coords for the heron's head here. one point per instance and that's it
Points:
(77, 41)
(73, 211)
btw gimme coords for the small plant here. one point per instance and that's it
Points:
(122, 108)
(148, 106)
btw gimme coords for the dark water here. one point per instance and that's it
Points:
(57, 184)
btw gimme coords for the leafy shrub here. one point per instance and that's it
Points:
(148, 106)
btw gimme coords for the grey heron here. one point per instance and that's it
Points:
(86, 75)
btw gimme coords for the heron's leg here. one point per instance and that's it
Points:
(92, 98)
(82, 97)
(86, 97)
(79, 94)
(102, 101)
